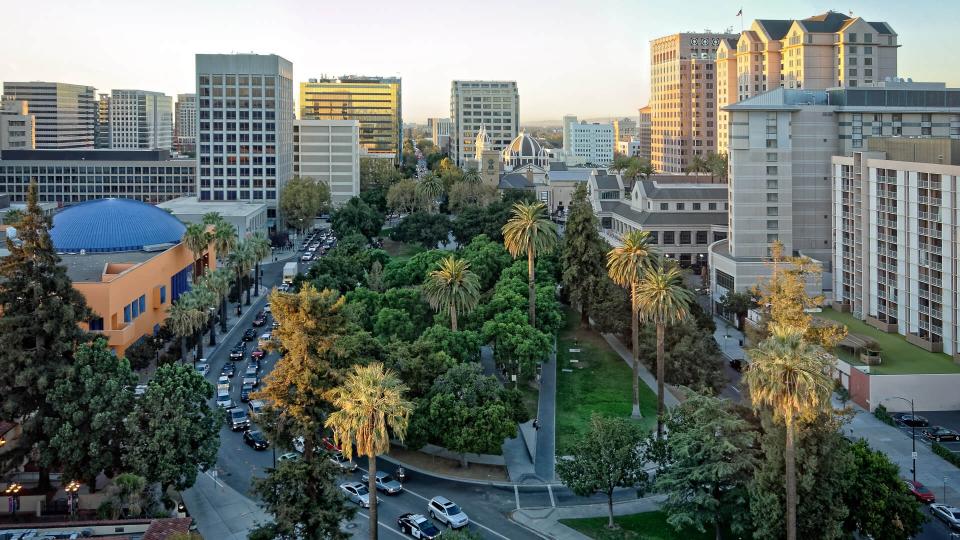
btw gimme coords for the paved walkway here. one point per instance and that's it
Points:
(729, 339)
(545, 458)
(648, 378)
(220, 511)
(546, 521)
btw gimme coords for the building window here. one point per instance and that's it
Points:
(702, 237)
(772, 184)
(664, 206)
(96, 324)
(654, 237)
(771, 143)
(696, 206)
(773, 211)
(771, 238)
(772, 197)
(163, 294)
(723, 279)
(668, 238)
(681, 206)
(773, 224)
(126, 314)
(711, 206)
(771, 156)
(771, 169)
(685, 237)
(143, 303)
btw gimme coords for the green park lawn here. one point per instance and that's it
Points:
(599, 383)
(400, 250)
(898, 356)
(645, 526)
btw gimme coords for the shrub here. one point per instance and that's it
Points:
(881, 413)
(946, 454)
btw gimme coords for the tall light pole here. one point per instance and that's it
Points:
(913, 434)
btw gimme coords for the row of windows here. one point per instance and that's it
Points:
(237, 195)
(43, 169)
(134, 309)
(683, 206)
(255, 80)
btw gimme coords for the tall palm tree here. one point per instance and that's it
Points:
(260, 247)
(370, 404)
(430, 187)
(787, 376)
(217, 282)
(202, 300)
(625, 266)
(529, 231)
(662, 299)
(224, 239)
(183, 320)
(452, 286)
(241, 259)
(197, 240)
(472, 176)
(697, 165)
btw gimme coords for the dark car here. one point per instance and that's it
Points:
(417, 526)
(736, 364)
(940, 433)
(237, 352)
(911, 420)
(256, 440)
(229, 369)
(260, 321)
(249, 334)
(920, 492)
(245, 392)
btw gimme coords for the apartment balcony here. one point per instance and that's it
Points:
(930, 248)
(887, 238)
(890, 208)
(933, 265)
(932, 233)
(930, 184)
(927, 342)
(934, 312)
(930, 280)
(888, 267)
(923, 199)
(930, 216)
(892, 223)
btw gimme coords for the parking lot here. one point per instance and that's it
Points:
(947, 419)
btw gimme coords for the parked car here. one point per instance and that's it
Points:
(256, 406)
(920, 491)
(229, 369)
(940, 433)
(203, 368)
(384, 483)
(238, 351)
(911, 420)
(259, 321)
(328, 444)
(947, 514)
(356, 492)
(258, 354)
(255, 440)
(265, 339)
(444, 510)
(417, 526)
(140, 390)
(736, 364)
(238, 419)
(245, 391)
(249, 334)
(306, 258)
(288, 456)
(339, 460)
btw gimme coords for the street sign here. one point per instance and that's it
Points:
(913, 455)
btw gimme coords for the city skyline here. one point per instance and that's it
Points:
(550, 76)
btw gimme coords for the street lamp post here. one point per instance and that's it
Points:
(213, 326)
(73, 498)
(913, 434)
(13, 498)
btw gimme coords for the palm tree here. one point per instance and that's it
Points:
(529, 231)
(241, 259)
(260, 247)
(787, 376)
(662, 299)
(217, 282)
(370, 404)
(430, 187)
(625, 266)
(12, 217)
(452, 286)
(697, 165)
(202, 300)
(472, 176)
(224, 239)
(197, 240)
(183, 320)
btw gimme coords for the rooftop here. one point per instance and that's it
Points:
(113, 225)
(191, 205)
(90, 155)
(679, 191)
(655, 219)
(90, 267)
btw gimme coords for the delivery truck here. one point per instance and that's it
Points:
(289, 272)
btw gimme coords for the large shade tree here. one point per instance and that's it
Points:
(529, 232)
(370, 405)
(661, 299)
(582, 254)
(452, 287)
(626, 264)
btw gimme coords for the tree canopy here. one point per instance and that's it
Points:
(302, 200)
(356, 216)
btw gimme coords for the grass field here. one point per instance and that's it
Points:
(400, 250)
(645, 526)
(600, 382)
(898, 356)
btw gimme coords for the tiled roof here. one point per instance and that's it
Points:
(161, 529)
(775, 28)
(662, 219)
(695, 192)
(514, 181)
(607, 181)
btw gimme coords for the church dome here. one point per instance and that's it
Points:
(524, 150)
(112, 225)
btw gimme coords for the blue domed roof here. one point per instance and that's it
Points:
(110, 225)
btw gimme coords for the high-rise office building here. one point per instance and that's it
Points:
(65, 114)
(643, 132)
(683, 101)
(624, 129)
(375, 102)
(17, 126)
(824, 51)
(494, 105)
(140, 119)
(440, 132)
(328, 151)
(185, 125)
(101, 131)
(592, 143)
(244, 128)
(782, 184)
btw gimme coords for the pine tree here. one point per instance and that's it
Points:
(38, 328)
(583, 255)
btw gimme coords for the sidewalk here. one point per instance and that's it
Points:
(220, 511)
(544, 460)
(648, 378)
(546, 521)
(729, 339)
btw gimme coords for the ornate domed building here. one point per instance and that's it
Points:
(524, 150)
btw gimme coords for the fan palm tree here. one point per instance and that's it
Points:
(183, 320)
(202, 300)
(430, 187)
(530, 232)
(662, 299)
(625, 266)
(787, 376)
(260, 247)
(697, 165)
(452, 286)
(224, 239)
(217, 282)
(370, 404)
(241, 259)
(197, 239)
(472, 176)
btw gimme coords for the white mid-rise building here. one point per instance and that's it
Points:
(440, 132)
(328, 151)
(244, 128)
(594, 143)
(65, 114)
(17, 127)
(185, 126)
(493, 105)
(141, 120)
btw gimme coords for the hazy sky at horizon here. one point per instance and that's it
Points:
(585, 58)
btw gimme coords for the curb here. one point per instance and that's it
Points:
(472, 481)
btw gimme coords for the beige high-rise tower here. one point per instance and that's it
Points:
(683, 98)
(824, 51)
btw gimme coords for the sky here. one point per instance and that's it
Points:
(585, 57)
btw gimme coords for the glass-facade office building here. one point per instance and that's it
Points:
(373, 101)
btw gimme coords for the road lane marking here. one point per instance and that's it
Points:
(385, 526)
(553, 503)
(735, 389)
(516, 495)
